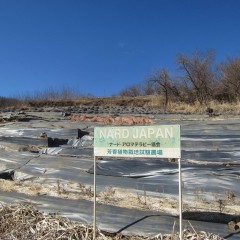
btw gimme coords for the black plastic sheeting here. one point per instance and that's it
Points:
(116, 219)
(134, 168)
(25, 140)
(71, 159)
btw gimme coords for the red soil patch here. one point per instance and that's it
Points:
(116, 120)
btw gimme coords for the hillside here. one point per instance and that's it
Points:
(155, 102)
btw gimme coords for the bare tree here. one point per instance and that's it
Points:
(132, 91)
(9, 102)
(230, 78)
(148, 88)
(164, 84)
(199, 74)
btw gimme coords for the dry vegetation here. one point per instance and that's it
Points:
(113, 120)
(202, 83)
(227, 203)
(19, 222)
(196, 108)
(147, 101)
(152, 101)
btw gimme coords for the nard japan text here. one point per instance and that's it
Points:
(136, 133)
(139, 141)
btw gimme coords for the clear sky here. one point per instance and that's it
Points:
(103, 46)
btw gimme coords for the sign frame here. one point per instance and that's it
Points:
(113, 141)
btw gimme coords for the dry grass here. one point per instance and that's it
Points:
(186, 108)
(196, 108)
(26, 222)
(110, 195)
(20, 222)
(225, 107)
(151, 101)
(127, 199)
(147, 101)
(113, 120)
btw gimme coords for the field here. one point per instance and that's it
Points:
(50, 148)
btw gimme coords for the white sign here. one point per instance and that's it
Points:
(139, 141)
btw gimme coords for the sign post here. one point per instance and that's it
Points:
(94, 202)
(180, 198)
(157, 141)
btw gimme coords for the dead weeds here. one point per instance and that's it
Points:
(127, 198)
(20, 222)
(113, 120)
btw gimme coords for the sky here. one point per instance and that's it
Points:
(101, 47)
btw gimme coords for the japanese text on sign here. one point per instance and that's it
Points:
(139, 141)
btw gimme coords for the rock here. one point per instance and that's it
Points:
(66, 114)
(209, 111)
(56, 142)
(7, 174)
(43, 135)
